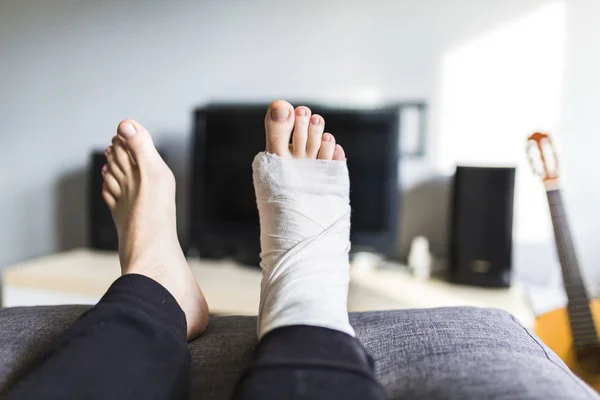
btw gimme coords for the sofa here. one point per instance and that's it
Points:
(444, 353)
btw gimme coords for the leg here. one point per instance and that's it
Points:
(307, 347)
(309, 362)
(133, 343)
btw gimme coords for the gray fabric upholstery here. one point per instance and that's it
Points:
(446, 353)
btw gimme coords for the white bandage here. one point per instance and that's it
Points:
(304, 212)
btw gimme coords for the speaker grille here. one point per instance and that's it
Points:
(481, 226)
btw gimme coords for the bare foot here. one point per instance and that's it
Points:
(308, 139)
(139, 189)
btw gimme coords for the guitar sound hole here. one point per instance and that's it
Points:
(588, 358)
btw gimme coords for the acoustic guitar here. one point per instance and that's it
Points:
(572, 332)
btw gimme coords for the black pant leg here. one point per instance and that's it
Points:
(307, 362)
(131, 345)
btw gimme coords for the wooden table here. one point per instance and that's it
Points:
(82, 276)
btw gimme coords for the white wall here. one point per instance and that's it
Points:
(579, 133)
(70, 70)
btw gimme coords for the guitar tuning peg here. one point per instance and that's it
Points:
(545, 163)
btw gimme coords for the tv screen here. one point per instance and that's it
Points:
(226, 139)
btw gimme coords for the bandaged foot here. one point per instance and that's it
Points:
(302, 192)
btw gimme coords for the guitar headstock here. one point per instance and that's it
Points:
(542, 156)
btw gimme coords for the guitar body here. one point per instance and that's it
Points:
(554, 330)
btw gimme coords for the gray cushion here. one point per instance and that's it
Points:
(446, 353)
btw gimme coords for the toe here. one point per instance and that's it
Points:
(112, 166)
(327, 147)
(112, 185)
(109, 199)
(107, 192)
(279, 122)
(119, 160)
(138, 141)
(315, 133)
(300, 135)
(339, 154)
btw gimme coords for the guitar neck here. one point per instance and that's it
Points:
(578, 308)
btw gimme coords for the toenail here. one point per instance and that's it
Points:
(107, 151)
(301, 112)
(280, 114)
(315, 120)
(327, 137)
(128, 129)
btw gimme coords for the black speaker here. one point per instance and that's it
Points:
(102, 232)
(481, 226)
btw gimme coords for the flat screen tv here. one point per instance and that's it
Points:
(224, 217)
